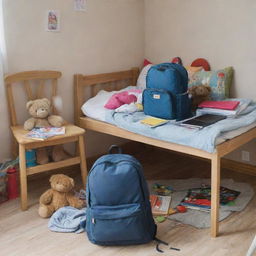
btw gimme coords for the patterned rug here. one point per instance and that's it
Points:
(200, 219)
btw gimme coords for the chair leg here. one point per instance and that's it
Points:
(23, 178)
(83, 164)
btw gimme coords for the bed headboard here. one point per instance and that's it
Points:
(87, 86)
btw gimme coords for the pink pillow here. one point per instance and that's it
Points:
(119, 99)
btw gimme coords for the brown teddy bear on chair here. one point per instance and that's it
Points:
(61, 194)
(39, 109)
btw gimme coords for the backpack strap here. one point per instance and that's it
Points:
(163, 242)
(115, 147)
(158, 242)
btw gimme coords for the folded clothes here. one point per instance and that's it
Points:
(129, 108)
(68, 219)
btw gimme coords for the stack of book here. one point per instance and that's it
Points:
(226, 108)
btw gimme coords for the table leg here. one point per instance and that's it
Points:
(215, 194)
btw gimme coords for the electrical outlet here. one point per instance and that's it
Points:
(245, 156)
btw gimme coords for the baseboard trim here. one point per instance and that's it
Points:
(232, 165)
(238, 166)
(134, 147)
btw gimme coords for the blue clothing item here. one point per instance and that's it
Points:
(68, 219)
(204, 139)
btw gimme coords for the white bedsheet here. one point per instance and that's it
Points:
(94, 108)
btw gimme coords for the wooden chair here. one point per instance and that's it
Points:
(73, 133)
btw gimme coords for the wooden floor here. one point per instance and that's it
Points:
(26, 234)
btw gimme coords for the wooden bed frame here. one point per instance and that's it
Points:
(117, 80)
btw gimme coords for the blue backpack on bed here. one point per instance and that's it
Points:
(166, 93)
(118, 207)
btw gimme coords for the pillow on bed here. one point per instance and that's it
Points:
(146, 62)
(94, 107)
(192, 70)
(220, 81)
(141, 82)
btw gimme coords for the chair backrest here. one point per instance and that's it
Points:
(37, 78)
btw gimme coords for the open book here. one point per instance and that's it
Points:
(160, 204)
(45, 132)
(200, 198)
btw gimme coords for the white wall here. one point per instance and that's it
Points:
(223, 32)
(108, 37)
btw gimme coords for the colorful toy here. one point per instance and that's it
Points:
(181, 208)
(172, 211)
(160, 219)
(162, 190)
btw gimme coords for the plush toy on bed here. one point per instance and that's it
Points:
(198, 94)
(39, 109)
(59, 195)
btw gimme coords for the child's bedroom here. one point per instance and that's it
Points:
(127, 127)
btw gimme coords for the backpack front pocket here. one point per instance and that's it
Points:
(116, 223)
(159, 103)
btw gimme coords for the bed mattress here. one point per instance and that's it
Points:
(205, 139)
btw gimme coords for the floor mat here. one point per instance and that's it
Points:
(200, 219)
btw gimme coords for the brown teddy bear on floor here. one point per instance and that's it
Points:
(198, 94)
(39, 109)
(61, 194)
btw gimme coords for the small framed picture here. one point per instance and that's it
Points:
(80, 5)
(53, 21)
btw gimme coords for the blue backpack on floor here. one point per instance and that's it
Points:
(118, 207)
(166, 93)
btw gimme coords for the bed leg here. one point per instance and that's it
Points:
(215, 194)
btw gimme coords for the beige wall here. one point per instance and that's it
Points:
(109, 36)
(223, 32)
(113, 34)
